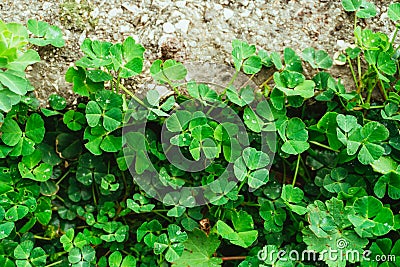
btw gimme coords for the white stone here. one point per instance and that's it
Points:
(46, 5)
(217, 7)
(245, 13)
(124, 28)
(144, 18)
(95, 13)
(82, 37)
(130, 7)
(183, 25)
(114, 12)
(180, 4)
(168, 27)
(228, 13)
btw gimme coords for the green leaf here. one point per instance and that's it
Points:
(276, 59)
(394, 11)
(252, 120)
(74, 120)
(367, 10)
(29, 57)
(255, 159)
(23, 250)
(153, 97)
(199, 250)
(386, 64)
(6, 229)
(391, 181)
(318, 59)
(93, 113)
(292, 194)
(16, 84)
(11, 133)
(292, 60)
(374, 132)
(43, 172)
(98, 75)
(258, 178)
(34, 129)
(384, 165)
(351, 5)
(178, 121)
(243, 239)
(38, 28)
(8, 99)
(57, 102)
(170, 70)
(38, 257)
(252, 65)
(74, 255)
(347, 123)
(112, 119)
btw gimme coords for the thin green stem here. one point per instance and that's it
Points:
(134, 97)
(306, 170)
(63, 177)
(352, 71)
(54, 263)
(383, 90)
(230, 82)
(323, 146)
(94, 195)
(395, 34)
(163, 216)
(297, 170)
(359, 74)
(41, 237)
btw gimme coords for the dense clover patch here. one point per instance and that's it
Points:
(298, 163)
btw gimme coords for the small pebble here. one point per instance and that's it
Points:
(228, 13)
(168, 27)
(183, 25)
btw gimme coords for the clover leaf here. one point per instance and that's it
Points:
(243, 234)
(127, 58)
(294, 134)
(171, 243)
(199, 250)
(318, 59)
(26, 255)
(371, 218)
(394, 11)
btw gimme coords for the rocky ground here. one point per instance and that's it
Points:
(187, 30)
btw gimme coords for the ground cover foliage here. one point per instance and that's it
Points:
(299, 163)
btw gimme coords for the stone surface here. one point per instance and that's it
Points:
(203, 29)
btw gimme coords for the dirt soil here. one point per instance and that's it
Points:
(188, 30)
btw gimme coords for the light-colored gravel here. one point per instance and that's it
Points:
(186, 30)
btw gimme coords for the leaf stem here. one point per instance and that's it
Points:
(41, 237)
(233, 258)
(231, 82)
(134, 97)
(297, 169)
(359, 74)
(54, 263)
(162, 215)
(63, 177)
(323, 146)
(395, 33)
(352, 71)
